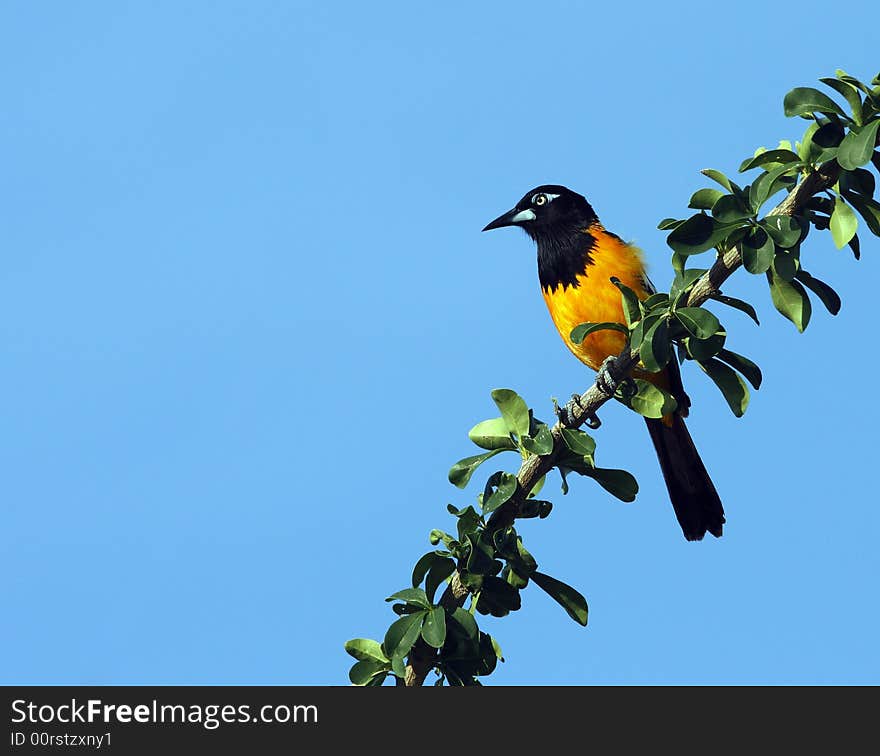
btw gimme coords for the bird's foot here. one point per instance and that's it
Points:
(606, 382)
(572, 409)
(609, 385)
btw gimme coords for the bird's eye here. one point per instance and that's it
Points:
(539, 199)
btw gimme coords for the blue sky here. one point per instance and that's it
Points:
(247, 318)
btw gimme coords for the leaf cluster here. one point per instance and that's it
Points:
(491, 562)
(837, 141)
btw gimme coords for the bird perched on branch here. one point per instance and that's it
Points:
(577, 258)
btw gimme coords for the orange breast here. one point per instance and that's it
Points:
(595, 299)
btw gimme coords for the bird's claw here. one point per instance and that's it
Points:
(592, 421)
(606, 382)
(572, 408)
(628, 388)
(609, 385)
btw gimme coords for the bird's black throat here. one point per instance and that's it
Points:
(563, 255)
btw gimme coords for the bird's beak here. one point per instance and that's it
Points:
(511, 218)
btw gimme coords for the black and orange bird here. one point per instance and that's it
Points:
(577, 258)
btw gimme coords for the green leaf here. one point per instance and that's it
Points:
(805, 148)
(858, 180)
(757, 251)
(821, 204)
(498, 597)
(579, 442)
(468, 520)
(423, 565)
(465, 620)
(398, 667)
(738, 304)
(580, 332)
(434, 627)
(481, 560)
(650, 400)
(471, 580)
(767, 184)
(697, 234)
(492, 434)
(703, 199)
(804, 101)
(829, 135)
(413, 596)
(869, 210)
(618, 483)
(844, 76)
(683, 281)
(402, 634)
(827, 296)
(731, 385)
(843, 223)
(506, 487)
(668, 223)
(730, 209)
(660, 300)
(524, 562)
(364, 649)
(640, 329)
(563, 471)
(736, 235)
(678, 262)
(460, 473)
(703, 349)
(536, 489)
(854, 246)
(631, 310)
(826, 156)
(783, 229)
(496, 648)
(791, 300)
(363, 671)
(514, 578)
(785, 264)
(567, 597)
(435, 536)
(534, 508)
(718, 177)
(437, 575)
(770, 156)
(698, 322)
(513, 409)
(745, 366)
(542, 443)
(572, 462)
(655, 350)
(488, 657)
(850, 94)
(858, 146)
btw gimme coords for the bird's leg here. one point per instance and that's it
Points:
(609, 385)
(592, 421)
(573, 407)
(606, 382)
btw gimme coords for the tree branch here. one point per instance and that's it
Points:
(422, 656)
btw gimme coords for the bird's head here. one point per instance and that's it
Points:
(548, 211)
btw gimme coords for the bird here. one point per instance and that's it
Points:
(577, 260)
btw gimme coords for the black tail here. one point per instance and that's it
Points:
(696, 503)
